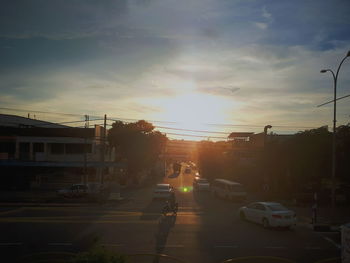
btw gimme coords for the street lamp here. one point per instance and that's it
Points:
(335, 79)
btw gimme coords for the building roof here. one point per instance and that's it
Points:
(7, 120)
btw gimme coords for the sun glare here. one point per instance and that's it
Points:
(194, 110)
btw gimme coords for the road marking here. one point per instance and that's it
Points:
(59, 244)
(11, 244)
(333, 242)
(275, 247)
(112, 245)
(12, 211)
(226, 246)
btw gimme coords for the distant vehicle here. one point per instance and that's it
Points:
(81, 190)
(269, 214)
(201, 184)
(228, 190)
(163, 191)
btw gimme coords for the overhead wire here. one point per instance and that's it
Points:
(158, 121)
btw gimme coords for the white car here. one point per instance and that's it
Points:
(201, 184)
(163, 191)
(269, 214)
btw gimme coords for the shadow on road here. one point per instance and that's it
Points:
(153, 210)
(164, 226)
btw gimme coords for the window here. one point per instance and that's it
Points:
(252, 206)
(38, 147)
(57, 148)
(260, 207)
(7, 147)
(277, 207)
(237, 188)
(76, 148)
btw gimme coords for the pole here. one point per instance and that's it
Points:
(85, 150)
(334, 143)
(334, 140)
(103, 147)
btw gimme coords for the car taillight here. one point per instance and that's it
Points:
(276, 216)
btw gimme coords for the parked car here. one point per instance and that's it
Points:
(163, 191)
(81, 190)
(269, 214)
(201, 184)
(75, 190)
(228, 190)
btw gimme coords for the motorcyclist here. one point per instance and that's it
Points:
(172, 201)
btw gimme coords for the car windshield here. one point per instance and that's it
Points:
(132, 129)
(277, 207)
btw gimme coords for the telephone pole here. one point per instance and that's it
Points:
(85, 149)
(103, 147)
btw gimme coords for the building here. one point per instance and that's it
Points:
(34, 156)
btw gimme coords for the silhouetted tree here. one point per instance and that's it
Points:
(138, 144)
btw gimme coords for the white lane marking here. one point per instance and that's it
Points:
(226, 246)
(11, 244)
(112, 245)
(333, 242)
(59, 244)
(275, 247)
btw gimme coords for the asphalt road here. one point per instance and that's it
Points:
(206, 229)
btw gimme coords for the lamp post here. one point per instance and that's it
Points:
(335, 79)
(267, 178)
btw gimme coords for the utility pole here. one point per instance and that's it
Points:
(85, 149)
(103, 148)
(267, 179)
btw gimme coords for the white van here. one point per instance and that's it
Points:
(228, 190)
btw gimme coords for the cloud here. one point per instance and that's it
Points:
(266, 14)
(111, 56)
(260, 25)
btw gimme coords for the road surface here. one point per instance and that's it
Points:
(205, 230)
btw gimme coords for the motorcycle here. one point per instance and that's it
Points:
(168, 209)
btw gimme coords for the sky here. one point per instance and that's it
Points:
(184, 63)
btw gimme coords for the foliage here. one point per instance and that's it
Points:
(137, 143)
(210, 159)
(288, 163)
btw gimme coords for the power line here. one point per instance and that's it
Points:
(200, 136)
(158, 121)
(178, 129)
(46, 112)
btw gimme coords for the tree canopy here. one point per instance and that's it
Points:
(137, 143)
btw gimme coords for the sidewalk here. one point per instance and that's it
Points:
(324, 215)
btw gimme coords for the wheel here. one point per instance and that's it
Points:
(242, 216)
(266, 223)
